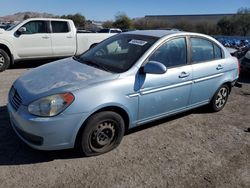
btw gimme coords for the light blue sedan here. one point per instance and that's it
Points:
(128, 80)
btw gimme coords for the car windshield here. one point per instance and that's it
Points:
(118, 53)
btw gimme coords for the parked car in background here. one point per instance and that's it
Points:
(240, 45)
(6, 26)
(245, 63)
(127, 30)
(2, 26)
(38, 38)
(110, 30)
(130, 79)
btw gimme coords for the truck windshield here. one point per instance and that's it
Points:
(12, 27)
(120, 52)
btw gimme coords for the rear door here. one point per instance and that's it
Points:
(35, 42)
(208, 69)
(63, 39)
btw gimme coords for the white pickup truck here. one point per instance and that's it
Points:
(39, 38)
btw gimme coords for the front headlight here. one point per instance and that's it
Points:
(51, 105)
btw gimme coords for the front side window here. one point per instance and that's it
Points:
(34, 27)
(173, 53)
(204, 50)
(60, 27)
(118, 53)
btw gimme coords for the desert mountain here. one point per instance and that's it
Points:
(20, 16)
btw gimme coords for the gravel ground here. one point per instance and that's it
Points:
(194, 149)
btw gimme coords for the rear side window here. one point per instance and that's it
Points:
(34, 27)
(60, 27)
(173, 53)
(204, 50)
(217, 52)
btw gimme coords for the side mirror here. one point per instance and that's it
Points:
(154, 67)
(22, 30)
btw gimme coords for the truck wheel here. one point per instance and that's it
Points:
(4, 60)
(220, 98)
(102, 132)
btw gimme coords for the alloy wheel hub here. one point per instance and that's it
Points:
(221, 98)
(1, 60)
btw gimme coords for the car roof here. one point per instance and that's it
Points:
(154, 33)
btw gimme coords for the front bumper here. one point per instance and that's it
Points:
(52, 133)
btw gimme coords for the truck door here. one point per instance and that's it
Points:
(63, 39)
(35, 42)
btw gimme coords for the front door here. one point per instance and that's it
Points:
(35, 42)
(166, 93)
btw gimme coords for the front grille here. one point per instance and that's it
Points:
(14, 98)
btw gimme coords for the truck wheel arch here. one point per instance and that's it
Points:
(7, 50)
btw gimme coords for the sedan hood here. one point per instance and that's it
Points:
(60, 76)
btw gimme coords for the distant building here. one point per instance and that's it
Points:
(194, 19)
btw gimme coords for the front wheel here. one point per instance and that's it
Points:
(220, 98)
(4, 60)
(102, 132)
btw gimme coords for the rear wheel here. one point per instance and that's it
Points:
(220, 98)
(102, 132)
(4, 60)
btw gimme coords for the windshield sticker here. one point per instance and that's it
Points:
(138, 42)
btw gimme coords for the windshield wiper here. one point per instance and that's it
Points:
(93, 63)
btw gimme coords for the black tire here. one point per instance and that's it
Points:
(219, 99)
(102, 133)
(4, 60)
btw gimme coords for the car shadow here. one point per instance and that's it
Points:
(200, 110)
(13, 151)
(244, 78)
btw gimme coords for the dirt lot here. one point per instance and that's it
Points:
(194, 149)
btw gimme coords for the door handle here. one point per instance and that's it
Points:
(219, 67)
(184, 75)
(69, 37)
(45, 37)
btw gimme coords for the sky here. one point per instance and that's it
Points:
(102, 10)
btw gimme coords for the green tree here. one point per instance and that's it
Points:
(143, 23)
(108, 24)
(26, 16)
(206, 28)
(227, 26)
(78, 19)
(122, 21)
(243, 21)
(184, 25)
